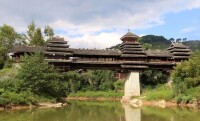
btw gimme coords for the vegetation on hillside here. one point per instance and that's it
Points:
(37, 81)
(186, 78)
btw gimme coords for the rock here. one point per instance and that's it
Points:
(162, 103)
(136, 102)
(125, 99)
(169, 83)
(49, 105)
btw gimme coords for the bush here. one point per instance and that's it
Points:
(119, 85)
(153, 78)
(186, 75)
(159, 92)
(40, 78)
(96, 94)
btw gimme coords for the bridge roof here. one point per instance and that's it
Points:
(158, 53)
(96, 52)
(29, 49)
(129, 35)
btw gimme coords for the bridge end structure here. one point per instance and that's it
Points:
(132, 86)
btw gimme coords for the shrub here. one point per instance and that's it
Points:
(119, 85)
(159, 92)
(40, 78)
(186, 74)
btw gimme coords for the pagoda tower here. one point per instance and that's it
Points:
(134, 57)
(57, 53)
(133, 54)
(179, 51)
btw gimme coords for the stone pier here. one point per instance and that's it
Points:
(132, 86)
(132, 114)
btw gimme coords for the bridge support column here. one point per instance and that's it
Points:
(132, 86)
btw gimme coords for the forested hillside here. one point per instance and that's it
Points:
(160, 42)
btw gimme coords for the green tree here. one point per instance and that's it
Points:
(157, 42)
(147, 46)
(37, 39)
(153, 77)
(8, 37)
(186, 74)
(103, 80)
(34, 35)
(31, 31)
(39, 77)
(49, 33)
(74, 79)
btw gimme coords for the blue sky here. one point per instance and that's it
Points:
(100, 24)
(178, 25)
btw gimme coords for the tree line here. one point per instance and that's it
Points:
(32, 37)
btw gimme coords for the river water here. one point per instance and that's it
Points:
(101, 111)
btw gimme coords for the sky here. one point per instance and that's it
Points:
(100, 23)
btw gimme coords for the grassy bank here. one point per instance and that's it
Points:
(11, 95)
(162, 92)
(97, 94)
(157, 93)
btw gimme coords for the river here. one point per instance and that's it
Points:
(101, 111)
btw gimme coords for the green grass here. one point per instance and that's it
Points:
(96, 94)
(194, 92)
(160, 92)
(191, 95)
(7, 73)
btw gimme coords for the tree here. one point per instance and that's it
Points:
(153, 78)
(186, 74)
(172, 40)
(147, 46)
(178, 40)
(48, 31)
(74, 80)
(157, 42)
(34, 35)
(184, 39)
(8, 38)
(39, 77)
(37, 39)
(31, 31)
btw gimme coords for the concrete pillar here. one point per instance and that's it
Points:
(132, 114)
(132, 85)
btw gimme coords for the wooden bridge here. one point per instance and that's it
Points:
(129, 58)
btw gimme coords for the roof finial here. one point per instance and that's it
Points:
(128, 30)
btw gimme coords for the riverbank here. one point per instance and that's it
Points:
(39, 105)
(137, 102)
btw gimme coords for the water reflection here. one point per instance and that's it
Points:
(102, 111)
(132, 114)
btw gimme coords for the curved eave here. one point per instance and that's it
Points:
(160, 55)
(58, 45)
(129, 43)
(58, 41)
(133, 52)
(58, 53)
(132, 55)
(58, 49)
(130, 46)
(134, 67)
(181, 57)
(58, 60)
(132, 49)
(162, 63)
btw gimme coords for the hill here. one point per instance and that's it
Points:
(161, 43)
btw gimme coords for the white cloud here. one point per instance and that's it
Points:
(76, 17)
(100, 41)
(188, 30)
